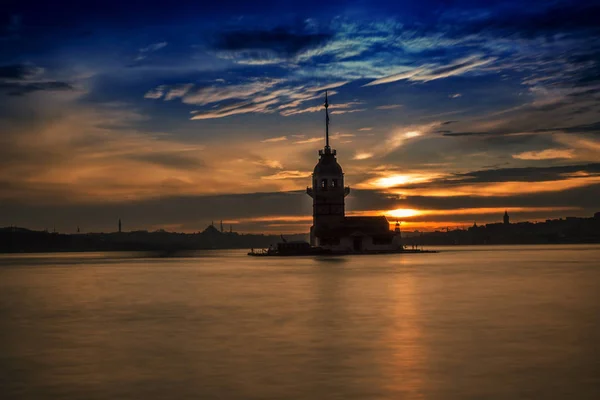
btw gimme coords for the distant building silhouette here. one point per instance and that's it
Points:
(506, 218)
(221, 226)
(119, 225)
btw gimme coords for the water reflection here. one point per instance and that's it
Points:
(487, 323)
(406, 372)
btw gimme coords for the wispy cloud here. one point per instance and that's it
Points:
(269, 163)
(218, 93)
(362, 156)
(430, 72)
(310, 140)
(275, 139)
(389, 107)
(145, 51)
(238, 108)
(254, 96)
(288, 175)
(548, 154)
(336, 108)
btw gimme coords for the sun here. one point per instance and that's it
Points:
(403, 213)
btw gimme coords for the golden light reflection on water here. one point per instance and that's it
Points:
(406, 372)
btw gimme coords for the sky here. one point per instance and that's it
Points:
(173, 115)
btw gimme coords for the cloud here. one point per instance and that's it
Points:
(455, 95)
(366, 129)
(156, 93)
(274, 164)
(337, 112)
(336, 108)
(583, 128)
(310, 140)
(430, 72)
(235, 109)
(539, 21)
(328, 86)
(19, 89)
(19, 72)
(362, 156)
(389, 107)
(145, 51)
(177, 91)
(218, 93)
(275, 139)
(339, 135)
(279, 40)
(266, 96)
(288, 175)
(525, 174)
(21, 79)
(176, 160)
(548, 154)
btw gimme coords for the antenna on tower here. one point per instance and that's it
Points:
(326, 122)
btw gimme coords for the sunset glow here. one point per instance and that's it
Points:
(177, 118)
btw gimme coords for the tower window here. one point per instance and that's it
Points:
(324, 184)
(334, 183)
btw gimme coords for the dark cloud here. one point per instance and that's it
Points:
(193, 213)
(584, 198)
(17, 71)
(585, 128)
(171, 160)
(564, 17)
(279, 40)
(593, 128)
(450, 133)
(527, 174)
(20, 79)
(20, 89)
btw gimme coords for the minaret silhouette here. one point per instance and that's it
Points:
(119, 225)
(221, 226)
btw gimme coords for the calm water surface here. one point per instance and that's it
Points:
(479, 323)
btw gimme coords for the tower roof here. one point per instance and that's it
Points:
(328, 165)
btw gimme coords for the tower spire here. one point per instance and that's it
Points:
(326, 122)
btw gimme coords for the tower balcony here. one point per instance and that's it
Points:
(309, 191)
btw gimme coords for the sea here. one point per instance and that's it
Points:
(501, 322)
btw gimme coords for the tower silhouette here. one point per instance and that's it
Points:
(119, 225)
(506, 218)
(328, 191)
